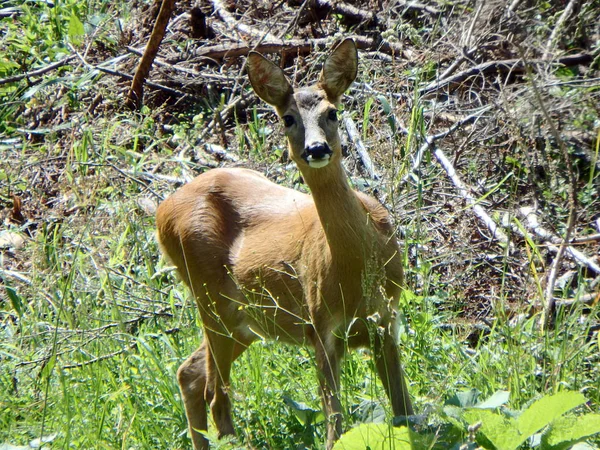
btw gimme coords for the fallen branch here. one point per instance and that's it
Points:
(136, 92)
(228, 18)
(37, 72)
(586, 299)
(350, 11)
(509, 66)
(295, 46)
(559, 25)
(533, 224)
(430, 140)
(464, 192)
(586, 239)
(116, 73)
(549, 304)
(360, 147)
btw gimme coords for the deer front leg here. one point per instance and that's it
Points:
(328, 365)
(389, 368)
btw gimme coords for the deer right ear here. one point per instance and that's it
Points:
(268, 80)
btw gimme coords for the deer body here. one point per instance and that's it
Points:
(266, 261)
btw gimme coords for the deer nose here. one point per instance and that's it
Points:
(317, 154)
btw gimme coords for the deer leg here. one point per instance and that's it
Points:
(328, 365)
(223, 350)
(389, 368)
(193, 383)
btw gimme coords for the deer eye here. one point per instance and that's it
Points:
(288, 121)
(333, 114)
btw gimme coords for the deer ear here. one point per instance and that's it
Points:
(268, 80)
(339, 70)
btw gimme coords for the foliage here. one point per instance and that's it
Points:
(542, 424)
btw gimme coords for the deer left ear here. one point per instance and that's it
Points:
(340, 70)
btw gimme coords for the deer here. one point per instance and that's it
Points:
(264, 261)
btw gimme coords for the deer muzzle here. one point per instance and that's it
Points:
(317, 155)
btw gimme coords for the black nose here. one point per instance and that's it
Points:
(317, 151)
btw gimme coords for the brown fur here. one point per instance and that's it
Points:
(264, 260)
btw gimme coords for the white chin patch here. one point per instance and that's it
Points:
(318, 163)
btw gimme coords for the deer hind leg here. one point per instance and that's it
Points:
(389, 368)
(328, 365)
(193, 382)
(223, 350)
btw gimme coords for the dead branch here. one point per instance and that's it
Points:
(586, 299)
(549, 304)
(533, 224)
(419, 7)
(177, 68)
(37, 72)
(586, 239)
(350, 11)
(363, 155)
(465, 193)
(430, 140)
(295, 46)
(559, 25)
(507, 66)
(126, 76)
(228, 18)
(135, 96)
(129, 347)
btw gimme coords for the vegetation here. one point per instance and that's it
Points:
(93, 323)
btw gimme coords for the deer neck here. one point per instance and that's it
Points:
(349, 232)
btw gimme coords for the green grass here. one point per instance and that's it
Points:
(93, 324)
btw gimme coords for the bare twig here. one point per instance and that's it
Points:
(430, 140)
(559, 25)
(408, 5)
(585, 239)
(465, 193)
(129, 347)
(37, 72)
(295, 46)
(586, 299)
(228, 18)
(136, 93)
(360, 147)
(532, 222)
(549, 304)
(350, 11)
(116, 73)
(504, 66)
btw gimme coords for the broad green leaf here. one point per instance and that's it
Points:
(380, 436)
(76, 29)
(464, 399)
(498, 399)
(547, 409)
(15, 299)
(567, 429)
(48, 367)
(304, 413)
(501, 431)
(583, 446)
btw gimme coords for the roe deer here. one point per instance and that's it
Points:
(265, 261)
